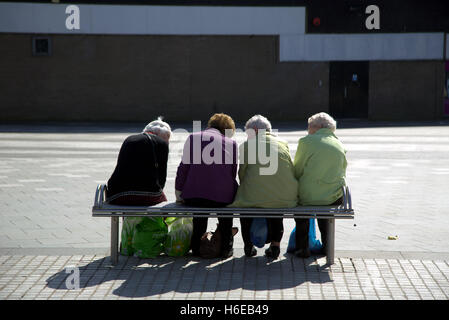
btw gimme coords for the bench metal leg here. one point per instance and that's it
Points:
(114, 239)
(330, 248)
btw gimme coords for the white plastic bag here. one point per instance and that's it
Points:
(178, 238)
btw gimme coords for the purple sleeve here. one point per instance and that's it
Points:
(183, 168)
(235, 160)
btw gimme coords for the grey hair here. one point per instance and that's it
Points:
(322, 120)
(159, 128)
(258, 122)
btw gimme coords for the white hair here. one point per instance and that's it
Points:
(322, 120)
(160, 128)
(258, 122)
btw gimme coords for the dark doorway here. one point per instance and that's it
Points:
(348, 96)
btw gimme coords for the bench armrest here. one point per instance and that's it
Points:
(347, 201)
(100, 195)
(348, 198)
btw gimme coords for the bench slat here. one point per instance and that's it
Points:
(234, 215)
(173, 209)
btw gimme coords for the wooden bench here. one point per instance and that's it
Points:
(102, 208)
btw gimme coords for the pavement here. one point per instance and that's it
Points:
(398, 175)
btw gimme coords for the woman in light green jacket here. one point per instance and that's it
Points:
(267, 180)
(320, 167)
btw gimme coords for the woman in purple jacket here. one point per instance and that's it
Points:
(206, 176)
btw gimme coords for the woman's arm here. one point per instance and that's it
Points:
(183, 168)
(243, 161)
(235, 159)
(300, 159)
(163, 165)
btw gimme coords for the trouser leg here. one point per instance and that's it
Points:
(225, 227)
(276, 228)
(302, 234)
(245, 223)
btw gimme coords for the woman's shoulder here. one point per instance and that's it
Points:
(159, 142)
(134, 139)
(229, 141)
(142, 139)
(306, 139)
(280, 140)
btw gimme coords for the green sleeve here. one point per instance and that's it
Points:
(288, 153)
(242, 171)
(243, 161)
(300, 159)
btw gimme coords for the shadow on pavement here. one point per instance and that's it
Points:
(149, 277)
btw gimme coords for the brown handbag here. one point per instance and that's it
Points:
(210, 245)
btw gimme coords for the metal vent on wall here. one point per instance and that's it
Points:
(41, 46)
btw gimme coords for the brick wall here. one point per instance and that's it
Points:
(127, 78)
(409, 90)
(136, 78)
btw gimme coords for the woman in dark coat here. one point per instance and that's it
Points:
(140, 174)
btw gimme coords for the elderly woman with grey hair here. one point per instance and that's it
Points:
(320, 167)
(140, 174)
(264, 189)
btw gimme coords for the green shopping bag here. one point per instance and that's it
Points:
(149, 237)
(177, 242)
(128, 230)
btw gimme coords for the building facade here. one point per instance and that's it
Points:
(135, 60)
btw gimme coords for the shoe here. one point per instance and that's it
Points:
(227, 253)
(196, 253)
(273, 252)
(250, 251)
(302, 253)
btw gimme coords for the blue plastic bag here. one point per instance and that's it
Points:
(259, 232)
(315, 245)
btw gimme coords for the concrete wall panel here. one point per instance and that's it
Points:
(361, 47)
(162, 20)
